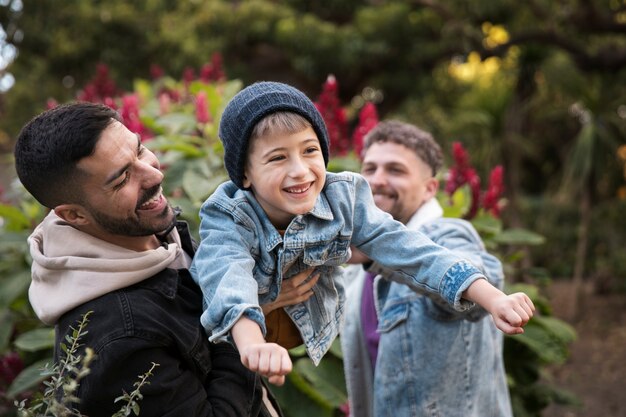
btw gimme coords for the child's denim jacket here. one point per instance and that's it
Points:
(242, 259)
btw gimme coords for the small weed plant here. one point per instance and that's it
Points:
(59, 395)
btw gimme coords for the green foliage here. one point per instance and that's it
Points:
(62, 380)
(131, 401)
(313, 391)
(545, 340)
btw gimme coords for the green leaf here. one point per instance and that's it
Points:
(298, 351)
(199, 183)
(35, 340)
(176, 123)
(560, 329)
(30, 377)
(457, 205)
(487, 224)
(6, 328)
(519, 237)
(344, 163)
(335, 348)
(327, 379)
(13, 287)
(549, 346)
(15, 220)
(295, 402)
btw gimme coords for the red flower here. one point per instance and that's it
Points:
(213, 71)
(156, 72)
(368, 119)
(130, 116)
(189, 74)
(345, 409)
(202, 108)
(462, 173)
(459, 174)
(334, 116)
(100, 86)
(10, 366)
(51, 103)
(495, 190)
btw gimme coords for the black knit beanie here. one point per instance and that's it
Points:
(248, 107)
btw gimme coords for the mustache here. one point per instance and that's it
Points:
(383, 191)
(148, 194)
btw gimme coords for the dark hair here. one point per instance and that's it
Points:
(414, 138)
(51, 144)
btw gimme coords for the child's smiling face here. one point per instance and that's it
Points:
(286, 173)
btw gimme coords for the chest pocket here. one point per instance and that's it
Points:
(392, 317)
(334, 252)
(199, 355)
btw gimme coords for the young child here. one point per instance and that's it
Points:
(282, 213)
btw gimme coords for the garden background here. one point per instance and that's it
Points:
(528, 100)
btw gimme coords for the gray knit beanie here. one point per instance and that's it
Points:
(248, 107)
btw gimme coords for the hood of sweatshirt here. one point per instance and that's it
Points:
(71, 267)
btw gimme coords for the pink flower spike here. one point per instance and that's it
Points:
(202, 108)
(368, 119)
(495, 189)
(156, 71)
(164, 103)
(189, 75)
(51, 104)
(334, 116)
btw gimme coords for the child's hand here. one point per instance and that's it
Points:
(268, 359)
(511, 312)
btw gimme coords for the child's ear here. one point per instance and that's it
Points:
(246, 182)
(74, 214)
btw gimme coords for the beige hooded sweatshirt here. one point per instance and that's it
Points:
(71, 267)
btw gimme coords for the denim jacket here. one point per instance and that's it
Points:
(242, 259)
(432, 360)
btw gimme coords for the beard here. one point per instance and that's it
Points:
(135, 226)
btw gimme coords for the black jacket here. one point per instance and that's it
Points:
(158, 320)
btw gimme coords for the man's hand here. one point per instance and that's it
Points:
(294, 290)
(510, 312)
(268, 359)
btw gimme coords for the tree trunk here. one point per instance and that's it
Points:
(578, 281)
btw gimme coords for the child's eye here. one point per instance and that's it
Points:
(312, 149)
(276, 158)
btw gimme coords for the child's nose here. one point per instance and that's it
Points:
(298, 167)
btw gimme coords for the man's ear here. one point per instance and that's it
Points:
(432, 186)
(74, 214)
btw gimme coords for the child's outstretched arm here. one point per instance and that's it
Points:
(510, 312)
(268, 359)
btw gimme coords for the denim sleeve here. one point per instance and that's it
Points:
(407, 256)
(223, 268)
(460, 237)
